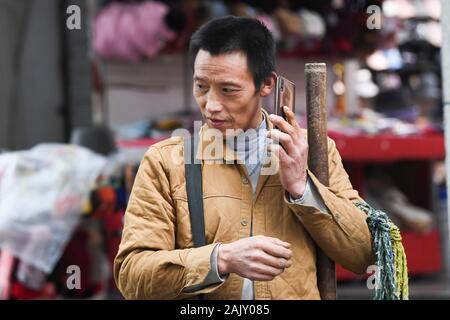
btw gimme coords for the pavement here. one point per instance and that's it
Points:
(434, 287)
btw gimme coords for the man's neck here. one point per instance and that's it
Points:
(249, 139)
(257, 120)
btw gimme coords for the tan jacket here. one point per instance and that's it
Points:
(156, 258)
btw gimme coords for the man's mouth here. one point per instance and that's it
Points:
(216, 123)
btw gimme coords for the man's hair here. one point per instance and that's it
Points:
(237, 34)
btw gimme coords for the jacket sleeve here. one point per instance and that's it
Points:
(147, 265)
(342, 232)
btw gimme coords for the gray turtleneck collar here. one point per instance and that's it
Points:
(250, 147)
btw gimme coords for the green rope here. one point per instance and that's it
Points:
(390, 255)
(400, 265)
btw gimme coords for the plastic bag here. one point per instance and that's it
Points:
(42, 194)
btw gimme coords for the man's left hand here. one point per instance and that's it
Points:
(292, 152)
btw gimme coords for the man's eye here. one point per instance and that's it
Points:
(200, 87)
(228, 90)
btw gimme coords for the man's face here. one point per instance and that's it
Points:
(225, 91)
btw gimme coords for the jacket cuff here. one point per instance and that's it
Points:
(214, 272)
(202, 275)
(213, 275)
(312, 215)
(300, 200)
(310, 197)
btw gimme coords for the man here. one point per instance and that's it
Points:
(260, 228)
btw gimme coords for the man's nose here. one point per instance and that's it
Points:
(213, 105)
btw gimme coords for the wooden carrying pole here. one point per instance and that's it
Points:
(316, 109)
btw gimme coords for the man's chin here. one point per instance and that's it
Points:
(221, 130)
(227, 132)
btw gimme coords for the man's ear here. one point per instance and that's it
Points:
(268, 84)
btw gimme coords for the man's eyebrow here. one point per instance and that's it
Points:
(230, 83)
(227, 82)
(199, 78)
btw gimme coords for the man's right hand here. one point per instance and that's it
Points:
(257, 258)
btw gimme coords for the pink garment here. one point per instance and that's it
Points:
(131, 31)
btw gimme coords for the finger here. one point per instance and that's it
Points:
(275, 250)
(262, 278)
(284, 138)
(290, 116)
(282, 124)
(278, 151)
(278, 263)
(260, 269)
(279, 242)
(283, 246)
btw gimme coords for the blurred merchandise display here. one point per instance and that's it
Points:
(406, 64)
(55, 180)
(61, 242)
(399, 63)
(371, 122)
(149, 129)
(306, 28)
(131, 31)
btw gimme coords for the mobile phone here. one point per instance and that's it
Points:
(284, 96)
